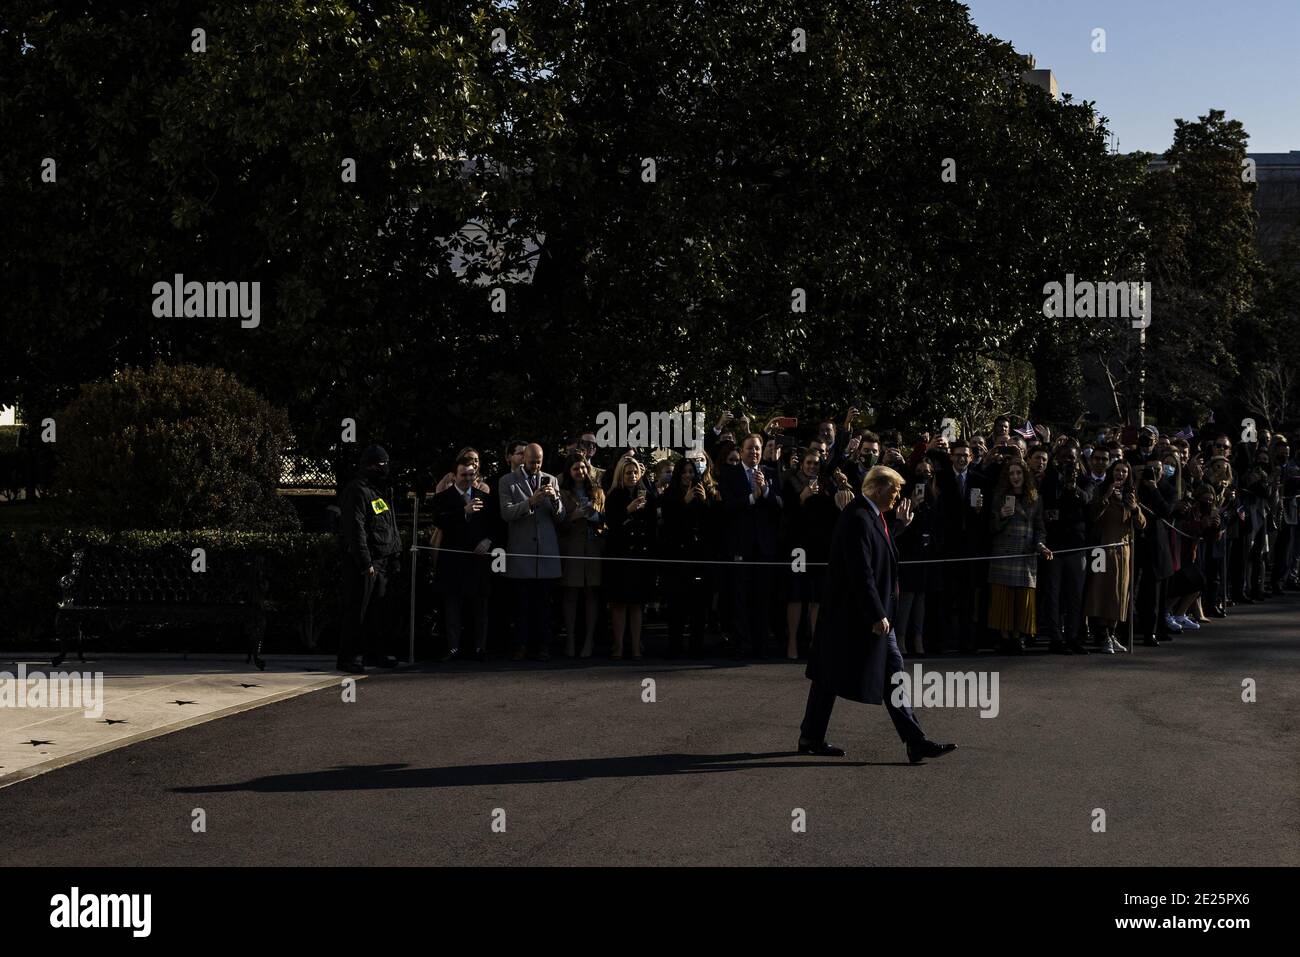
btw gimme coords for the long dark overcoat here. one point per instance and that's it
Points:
(847, 655)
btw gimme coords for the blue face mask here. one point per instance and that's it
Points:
(1169, 471)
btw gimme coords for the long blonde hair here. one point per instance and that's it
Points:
(622, 465)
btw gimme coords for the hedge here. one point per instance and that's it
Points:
(302, 573)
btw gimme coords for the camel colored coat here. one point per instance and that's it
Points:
(1107, 593)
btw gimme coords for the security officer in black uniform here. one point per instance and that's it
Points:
(371, 558)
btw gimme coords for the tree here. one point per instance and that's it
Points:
(172, 447)
(1201, 261)
(524, 167)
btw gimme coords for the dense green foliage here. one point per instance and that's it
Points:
(173, 447)
(775, 169)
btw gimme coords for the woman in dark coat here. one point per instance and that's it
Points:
(685, 541)
(918, 542)
(630, 535)
(808, 522)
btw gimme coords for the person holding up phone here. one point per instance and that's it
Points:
(1114, 515)
(582, 543)
(687, 539)
(807, 523)
(531, 507)
(469, 521)
(963, 528)
(1019, 537)
(629, 583)
(918, 541)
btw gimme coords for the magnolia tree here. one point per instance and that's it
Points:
(509, 218)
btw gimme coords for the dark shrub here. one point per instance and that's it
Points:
(178, 447)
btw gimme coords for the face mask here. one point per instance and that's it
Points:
(1169, 471)
(869, 459)
(699, 467)
(379, 471)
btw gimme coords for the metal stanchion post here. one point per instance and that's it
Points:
(1132, 583)
(415, 554)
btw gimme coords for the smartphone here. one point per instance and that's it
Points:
(1011, 501)
(787, 422)
(976, 498)
(918, 493)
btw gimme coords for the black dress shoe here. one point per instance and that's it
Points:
(1077, 648)
(352, 666)
(1059, 648)
(917, 751)
(1217, 613)
(452, 655)
(382, 661)
(478, 655)
(822, 748)
(1151, 641)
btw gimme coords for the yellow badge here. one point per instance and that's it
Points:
(379, 505)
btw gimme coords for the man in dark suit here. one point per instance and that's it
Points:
(1062, 580)
(751, 500)
(1155, 561)
(964, 523)
(470, 522)
(855, 651)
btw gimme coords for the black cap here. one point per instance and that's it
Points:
(374, 455)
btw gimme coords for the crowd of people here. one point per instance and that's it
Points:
(1014, 538)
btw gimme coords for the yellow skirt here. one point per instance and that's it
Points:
(1012, 610)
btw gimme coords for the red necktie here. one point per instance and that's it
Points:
(885, 525)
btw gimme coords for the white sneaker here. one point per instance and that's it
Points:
(1187, 623)
(1171, 623)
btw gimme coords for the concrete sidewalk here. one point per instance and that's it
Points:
(124, 698)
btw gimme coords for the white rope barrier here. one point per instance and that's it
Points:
(719, 561)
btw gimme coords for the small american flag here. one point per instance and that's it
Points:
(1027, 430)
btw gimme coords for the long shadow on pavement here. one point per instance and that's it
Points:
(362, 777)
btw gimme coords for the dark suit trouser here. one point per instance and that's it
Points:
(960, 593)
(687, 594)
(753, 588)
(366, 614)
(1060, 596)
(455, 607)
(532, 607)
(821, 700)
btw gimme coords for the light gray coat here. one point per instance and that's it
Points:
(531, 531)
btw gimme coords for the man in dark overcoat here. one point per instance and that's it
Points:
(855, 650)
